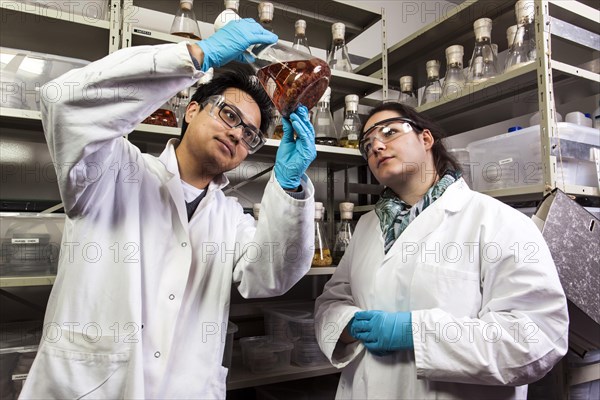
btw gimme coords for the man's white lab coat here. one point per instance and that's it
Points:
(140, 304)
(489, 313)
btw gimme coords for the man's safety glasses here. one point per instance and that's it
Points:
(252, 137)
(385, 131)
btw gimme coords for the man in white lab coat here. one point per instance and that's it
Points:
(443, 292)
(151, 245)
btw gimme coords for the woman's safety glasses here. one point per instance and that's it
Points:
(385, 131)
(252, 137)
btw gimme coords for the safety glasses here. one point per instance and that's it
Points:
(252, 137)
(385, 131)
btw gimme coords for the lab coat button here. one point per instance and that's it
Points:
(157, 354)
(171, 296)
(183, 244)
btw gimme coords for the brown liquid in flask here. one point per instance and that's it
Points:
(301, 81)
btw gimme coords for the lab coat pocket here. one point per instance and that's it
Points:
(60, 373)
(441, 286)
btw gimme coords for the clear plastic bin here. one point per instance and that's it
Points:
(514, 159)
(462, 156)
(231, 330)
(22, 74)
(263, 354)
(30, 243)
(18, 347)
(90, 9)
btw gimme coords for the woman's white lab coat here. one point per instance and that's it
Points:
(487, 305)
(141, 300)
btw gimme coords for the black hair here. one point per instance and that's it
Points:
(243, 81)
(442, 159)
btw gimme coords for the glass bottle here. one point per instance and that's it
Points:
(300, 40)
(483, 65)
(265, 15)
(185, 23)
(351, 126)
(338, 58)
(325, 132)
(256, 210)
(407, 93)
(454, 81)
(230, 13)
(433, 89)
(344, 233)
(289, 76)
(322, 256)
(523, 49)
(179, 103)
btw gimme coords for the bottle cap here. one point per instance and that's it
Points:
(326, 96)
(433, 68)
(186, 4)
(232, 4)
(300, 26)
(256, 210)
(224, 18)
(515, 128)
(454, 54)
(525, 10)
(483, 28)
(338, 30)
(510, 34)
(346, 210)
(265, 11)
(351, 102)
(406, 83)
(318, 210)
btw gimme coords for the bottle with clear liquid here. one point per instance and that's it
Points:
(344, 233)
(454, 82)
(523, 48)
(351, 126)
(256, 210)
(325, 132)
(185, 23)
(265, 15)
(289, 76)
(483, 65)
(300, 40)
(338, 58)
(433, 89)
(322, 256)
(407, 93)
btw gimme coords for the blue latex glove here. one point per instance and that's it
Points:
(382, 332)
(295, 155)
(229, 43)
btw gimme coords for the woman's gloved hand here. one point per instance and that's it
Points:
(295, 155)
(229, 43)
(382, 332)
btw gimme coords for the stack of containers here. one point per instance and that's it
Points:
(18, 348)
(265, 353)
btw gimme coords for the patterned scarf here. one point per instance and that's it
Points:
(395, 215)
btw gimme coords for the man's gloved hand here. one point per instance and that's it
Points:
(229, 43)
(382, 332)
(295, 155)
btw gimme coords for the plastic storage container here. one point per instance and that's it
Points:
(514, 159)
(89, 9)
(231, 330)
(18, 347)
(263, 353)
(588, 390)
(30, 243)
(22, 74)
(462, 156)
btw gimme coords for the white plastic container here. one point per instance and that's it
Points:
(263, 353)
(23, 73)
(514, 159)
(30, 243)
(462, 156)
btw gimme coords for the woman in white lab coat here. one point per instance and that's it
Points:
(443, 292)
(151, 245)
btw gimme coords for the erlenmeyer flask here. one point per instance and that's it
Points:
(433, 89)
(185, 23)
(230, 13)
(483, 65)
(352, 124)
(344, 233)
(454, 81)
(325, 132)
(265, 15)
(290, 77)
(338, 58)
(300, 40)
(322, 256)
(407, 93)
(523, 49)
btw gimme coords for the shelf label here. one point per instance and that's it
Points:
(25, 241)
(19, 377)
(142, 32)
(505, 161)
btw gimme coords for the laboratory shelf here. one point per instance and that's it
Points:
(19, 349)
(53, 12)
(322, 271)
(318, 14)
(240, 377)
(536, 192)
(21, 281)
